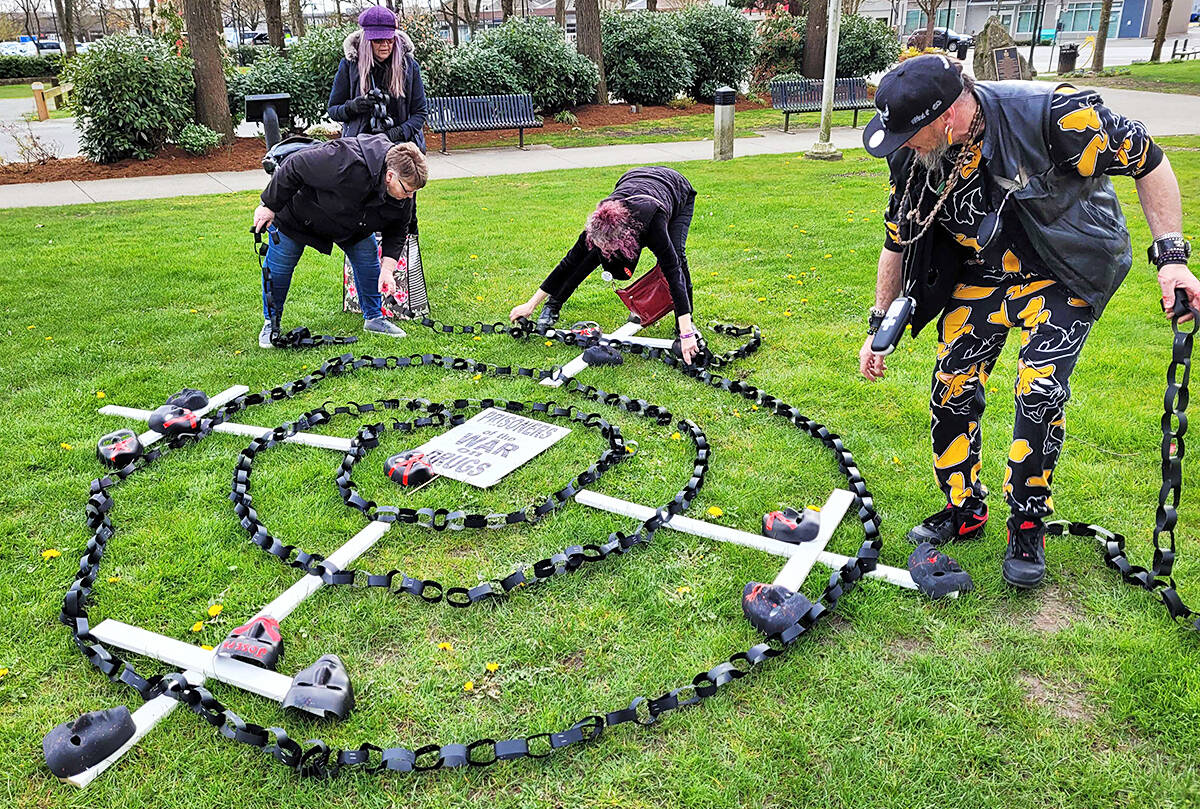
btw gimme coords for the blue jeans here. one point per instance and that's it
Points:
(283, 254)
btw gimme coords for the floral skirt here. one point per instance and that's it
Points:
(411, 299)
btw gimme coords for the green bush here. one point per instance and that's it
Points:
(132, 95)
(431, 51)
(244, 55)
(553, 72)
(315, 58)
(29, 67)
(720, 43)
(197, 139)
(780, 46)
(473, 71)
(865, 46)
(645, 59)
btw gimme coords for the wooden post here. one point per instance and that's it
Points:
(39, 101)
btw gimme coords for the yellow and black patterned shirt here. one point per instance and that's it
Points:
(1085, 136)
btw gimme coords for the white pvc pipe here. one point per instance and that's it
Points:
(576, 365)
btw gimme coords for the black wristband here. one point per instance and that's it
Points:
(874, 321)
(1169, 250)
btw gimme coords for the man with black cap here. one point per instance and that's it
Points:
(1002, 216)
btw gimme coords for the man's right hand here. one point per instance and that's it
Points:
(870, 364)
(263, 217)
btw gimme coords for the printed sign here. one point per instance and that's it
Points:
(1008, 63)
(484, 449)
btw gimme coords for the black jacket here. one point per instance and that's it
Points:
(408, 112)
(655, 195)
(335, 194)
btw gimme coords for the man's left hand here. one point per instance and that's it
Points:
(1172, 277)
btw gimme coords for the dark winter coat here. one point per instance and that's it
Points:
(335, 193)
(408, 112)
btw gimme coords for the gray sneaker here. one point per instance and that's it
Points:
(264, 336)
(383, 326)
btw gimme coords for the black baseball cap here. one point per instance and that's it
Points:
(910, 96)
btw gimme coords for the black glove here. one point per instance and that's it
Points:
(359, 106)
(396, 135)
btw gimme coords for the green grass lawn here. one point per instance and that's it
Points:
(1161, 77)
(15, 91)
(683, 127)
(1081, 694)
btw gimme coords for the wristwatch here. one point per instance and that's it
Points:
(1172, 249)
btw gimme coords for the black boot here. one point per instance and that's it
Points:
(549, 313)
(1025, 559)
(951, 523)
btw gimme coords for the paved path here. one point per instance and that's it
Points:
(468, 163)
(1164, 114)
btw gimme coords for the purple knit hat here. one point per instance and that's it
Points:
(378, 22)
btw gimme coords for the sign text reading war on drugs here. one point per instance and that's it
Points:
(482, 450)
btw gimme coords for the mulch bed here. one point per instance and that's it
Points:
(247, 153)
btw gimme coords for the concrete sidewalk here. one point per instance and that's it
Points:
(465, 163)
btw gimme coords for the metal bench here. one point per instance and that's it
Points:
(481, 113)
(1179, 50)
(804, 95)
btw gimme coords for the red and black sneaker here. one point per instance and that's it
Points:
(951, 524)
(1025, 559)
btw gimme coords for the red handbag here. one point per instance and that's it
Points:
(649, 297)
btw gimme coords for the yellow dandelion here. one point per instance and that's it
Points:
(762, 300)
(3, 672)
(215, 610)
(682, 590)
(478, 297)
(469, 685)
(477, 377)
(99, 394)
(473, 256)
(66, 446)
(492, 667)
(714, 274)
(196, 627)
(676, 437)
(477, 337)
(206, 647)
(51, 553)
(113, 579)
(31, 328)
(829, 255)
(791, 277)
(895, 459)
(794, 227)
(49, 339)
(193, 311)
(804, 231)
(239, 351)
(744, 250)
(993, 390)
(754, 407)
(446, 647)
(715, 511)
(804, 300)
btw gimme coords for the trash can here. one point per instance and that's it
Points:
(1067, 55)
(962, 49)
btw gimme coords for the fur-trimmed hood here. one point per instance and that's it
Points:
(350, 45)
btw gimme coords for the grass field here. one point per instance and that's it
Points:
(1081, 694)
(1159, 77)
(15, 91)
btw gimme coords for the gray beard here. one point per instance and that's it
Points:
(931, 161)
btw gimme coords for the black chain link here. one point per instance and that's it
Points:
(299, 337)
(1158, 579)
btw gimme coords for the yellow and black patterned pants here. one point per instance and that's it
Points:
(972, 331)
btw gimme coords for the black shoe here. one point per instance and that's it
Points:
(1025, 560)
(951, 524)
(549, 313)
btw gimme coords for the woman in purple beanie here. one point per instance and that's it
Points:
(378, 88)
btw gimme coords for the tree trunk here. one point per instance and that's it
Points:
(136, 15)
(506, 9)
(560, 14)
(152, 10)
(204, 39)
(588, 42)
(814, 40)
(66, 25)
(451, 15)
(297, 15)
(651, 5)
(1102, 35)
(275, 24)
(1160, 35)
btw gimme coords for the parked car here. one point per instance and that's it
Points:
(946, 39)
(18, 49)
(48, 47)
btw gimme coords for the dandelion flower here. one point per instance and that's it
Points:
(682, 590)
(51, 553)
(196, 627)
(446, 647)
(99, 394)
(66, 446)
(113, 579)
(215, 610)
(469, 685)
(676, 437)
(206, 647)
(491, 667)
(715, 511)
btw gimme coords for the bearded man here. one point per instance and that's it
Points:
(1002, 216)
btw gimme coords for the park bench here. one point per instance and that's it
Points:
(1179, 50)
(481, 113)
(41, 92)
(804, 95)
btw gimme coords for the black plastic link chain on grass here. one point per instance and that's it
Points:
(299, 337)
(1157, 579)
